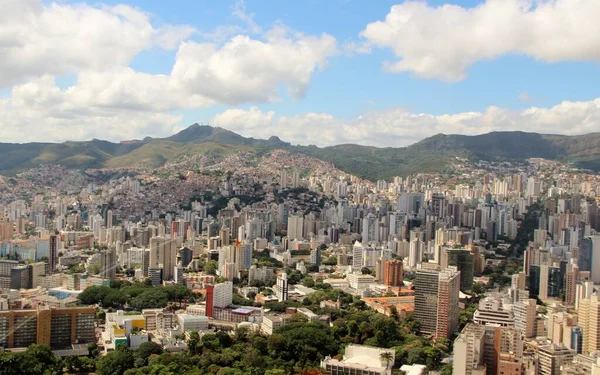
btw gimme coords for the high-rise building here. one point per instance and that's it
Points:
(295, 228)
(108, 263)
(436, 301)
(282, 287)
(219, 296)
(552, 357)
(315, 256)
(6, 230)
(57, 327)
(370, 229)
(571, 278)
(462, 259)
(490, 350)
(589, 321)
(393, 273)
(186, 255)
(52, 253)
(525, 313)
(589, 257)
(20, 277)
(163, 254)
(156, 275)
(243, 258)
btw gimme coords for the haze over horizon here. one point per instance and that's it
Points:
(376, 74)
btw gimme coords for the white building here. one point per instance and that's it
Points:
(282, 287)
(189, 323)
(359, 281)
(361, 360)
(223, 294)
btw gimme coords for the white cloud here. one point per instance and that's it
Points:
(443, 42)
(397, 127)
(525, 97)
(36, 39)
(246, 69)
(40, 111)
(239, 11)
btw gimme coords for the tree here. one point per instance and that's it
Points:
(365, 271)
(194, 342)
(93, 295)
(386, 357)
(116, 362)
(211, 267)
(478, 289)
(146, 349)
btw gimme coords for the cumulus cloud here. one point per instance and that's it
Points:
(443, 42)
(246, 69)
(398, 127)
(56, 39)
(40, 111)
(40, 43)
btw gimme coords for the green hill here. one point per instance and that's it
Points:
(433, 154)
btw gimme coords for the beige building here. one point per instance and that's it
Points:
(589, 321)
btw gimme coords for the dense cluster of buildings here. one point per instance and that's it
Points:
(411, 246)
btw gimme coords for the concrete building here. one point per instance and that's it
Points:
(552, 357)
(57, 327)
(361, 360)
(525, 317)
(436, 301)
(393, 273)
(159, 319)
(189, 323)
(462, 259)
(490, 350)
(589, 321)
(282, 287)
(124, 329)
(163, 254)
(491, 311)
(270, 322)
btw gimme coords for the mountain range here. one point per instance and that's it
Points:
(433, 154)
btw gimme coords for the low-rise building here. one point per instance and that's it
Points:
(361, 360)
(271, 322)
(189, 323)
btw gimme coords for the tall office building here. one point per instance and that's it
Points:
(589, 257)
(436, 301)
(163, 254)
(462, 259)
(393, 273)
(589, 321)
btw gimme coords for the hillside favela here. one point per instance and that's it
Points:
(300, 188)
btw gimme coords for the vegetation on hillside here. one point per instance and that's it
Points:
(433, 154)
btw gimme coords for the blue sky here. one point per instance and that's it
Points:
(353, 85)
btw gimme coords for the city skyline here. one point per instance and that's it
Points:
(374, 75)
